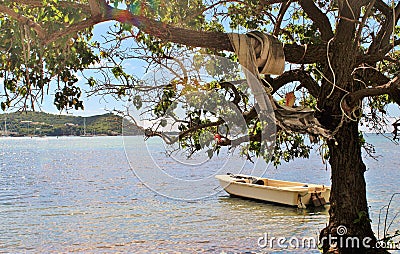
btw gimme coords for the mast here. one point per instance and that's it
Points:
(5, 126)
(84, 126)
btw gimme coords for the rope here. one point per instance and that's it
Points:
(333, 73)
(364, 67)
(304, 54)
(268, 89)
(353, 112)
(351, 10)
(394, 24)
(330, 67)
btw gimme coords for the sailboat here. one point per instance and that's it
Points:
(84, 129)
(5, 133)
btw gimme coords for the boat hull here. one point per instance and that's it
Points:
(276, 191)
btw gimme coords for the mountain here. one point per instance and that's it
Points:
(43, 124)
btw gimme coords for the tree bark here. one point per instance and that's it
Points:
(348, 200)
(349, 219)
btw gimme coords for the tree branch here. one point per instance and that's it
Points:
(183, 134)
(240, 140)
(229, 86)
(73, 29)
(382, 7)
(64, 4)
(281, 14)
(306, 54)
(371, 76)
(213, 40)
(364, 20)
(382, 39)
(95, 8)
(319, 18)
(378, 56)
(304, 77)
(23, 20)
(269, 2)
(392, 88)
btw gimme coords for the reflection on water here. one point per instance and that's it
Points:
(79, 195)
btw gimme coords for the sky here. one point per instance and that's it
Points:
(94, 105)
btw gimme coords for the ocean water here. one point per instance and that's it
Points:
(115, 194)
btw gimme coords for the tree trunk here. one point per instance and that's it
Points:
(349, 224)
(348, 199)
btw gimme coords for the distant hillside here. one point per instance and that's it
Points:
(44, 124)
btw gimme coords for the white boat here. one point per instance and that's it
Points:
(276, 191)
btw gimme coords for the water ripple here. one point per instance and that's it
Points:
(79, 195)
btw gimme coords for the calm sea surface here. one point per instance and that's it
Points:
(84, 195)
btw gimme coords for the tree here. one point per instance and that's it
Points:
(30, 60)
(343, 53)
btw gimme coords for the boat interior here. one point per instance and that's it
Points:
(295, 186)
